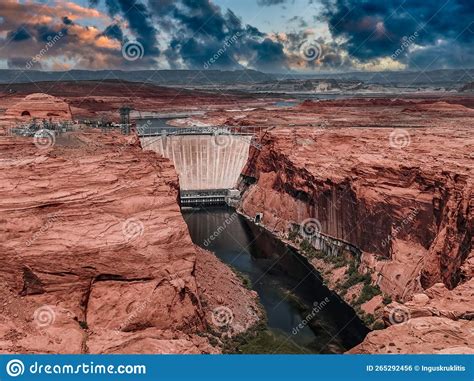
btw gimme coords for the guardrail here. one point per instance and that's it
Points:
(155, 131)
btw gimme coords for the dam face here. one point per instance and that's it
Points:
(207, 164)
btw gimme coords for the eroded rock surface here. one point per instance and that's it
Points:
(40, 106)
(361, 186)
(402, 192)
(95, 255)
(421, 335)
(435, 321)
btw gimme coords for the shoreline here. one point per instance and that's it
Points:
(297, 249)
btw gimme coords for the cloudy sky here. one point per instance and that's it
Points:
(267, 35)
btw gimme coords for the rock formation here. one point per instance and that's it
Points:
(412, 219)
(436, 321)
(39, 106)
(403, 196)
(468, 87)
(96, 257)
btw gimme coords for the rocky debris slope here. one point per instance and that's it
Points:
(403, 196)
(95, 255)
(217, 296)
(436, 301)
(436, 321)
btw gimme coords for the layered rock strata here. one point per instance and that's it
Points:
(403, 196)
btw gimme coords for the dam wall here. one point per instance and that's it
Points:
(203, 161)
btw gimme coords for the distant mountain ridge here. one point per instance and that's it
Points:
(434, 78)
(159, 77)
(442, 77)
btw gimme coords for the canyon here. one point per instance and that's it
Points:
(93, 238)
(96, 257)
(403, 196)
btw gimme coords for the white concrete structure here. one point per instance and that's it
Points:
(203, 161)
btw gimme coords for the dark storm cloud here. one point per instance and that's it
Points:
(51, 36)
(38, 32)
(200, 30)
(374, 29)
(139, 20)
(446, 55)
(113, 7)
(20, 34)
(253, 32)
(45, 33)
(191, 33)
(267, 53)
(113, 31)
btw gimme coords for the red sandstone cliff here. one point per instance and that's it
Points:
(402, 196)
(360, 190)
(95, 256)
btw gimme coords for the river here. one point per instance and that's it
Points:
(303, 316)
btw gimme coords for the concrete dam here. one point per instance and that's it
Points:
(208, 164)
